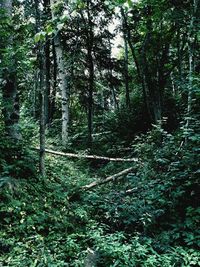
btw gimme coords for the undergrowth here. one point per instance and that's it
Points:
(149, 218)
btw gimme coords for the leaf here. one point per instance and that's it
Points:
(49, 29)
(37, 37)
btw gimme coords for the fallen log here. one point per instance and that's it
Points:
(81, 156)
(108, 179)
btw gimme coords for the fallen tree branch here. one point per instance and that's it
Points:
(99, 134)
(72, 155)
(108, 179)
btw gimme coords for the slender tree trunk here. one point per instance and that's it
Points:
(126, 75)
(47, 15)
(47, 81)
(63, 83)
(42, 110)
(179, 52)
(42, 91)
(54, 84)
(90, 97)
(112, 88)
(151, 80)
(9, 88)
(35, 94)
(191, 39)
(90, 36)
(139, 67)
(126, 72)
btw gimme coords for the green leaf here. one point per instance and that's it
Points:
(37, 37)
(49, 29)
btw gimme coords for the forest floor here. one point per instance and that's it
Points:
(137, 220)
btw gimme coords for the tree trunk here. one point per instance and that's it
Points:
(9, 88)
(47, 14)
(42, 90)
(151, 83)
(48, 82)
(63, 82)
(42, 110)
(90, 36)
(126, 76)
(191, 39)
(138, 67)
(114, 102)
(54, 84)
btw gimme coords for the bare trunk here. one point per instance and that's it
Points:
(47, 15)
(63, 83)
(9, 88)
(112, 88)
(42, 113)
(90, 98)
(126, 76)
(42, 92)
(47, 81)
(126, 72)
(138, 67)
(91, 75)
(191, 61)
(54, 85)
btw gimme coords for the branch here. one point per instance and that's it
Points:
(72, 155)
(108, 179)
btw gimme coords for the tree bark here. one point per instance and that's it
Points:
(72, 155)
(42, 91)
(42, 110)
(191, 39)
(47, 15)
(54, 85)
(108, 179)
(63, 82)
(90, 37)
(112, 88)
(126, 75)
(47, 81)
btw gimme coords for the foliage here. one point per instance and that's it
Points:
(156, 223)
(151, 216)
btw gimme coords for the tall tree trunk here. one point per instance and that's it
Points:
(9, 88)
(47, 13)
(63, 82)
(42, 90)
(179, 53)
(112, 88)
(191, 39)
(42, 66)
(47, 81)
(151, 80)
(126, 76)
(35, 94)
(139, 67)
(54, 85)
(90, 36)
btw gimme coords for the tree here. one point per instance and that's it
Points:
(9, 73)
(63, 77)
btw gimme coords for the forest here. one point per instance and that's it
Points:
(100, 133)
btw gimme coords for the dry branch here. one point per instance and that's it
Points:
(108, 179)
(72, 155)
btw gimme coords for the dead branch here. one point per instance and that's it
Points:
(108, 179)
(72, 155)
